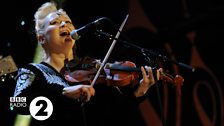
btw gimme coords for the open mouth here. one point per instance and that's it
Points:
(64, 33)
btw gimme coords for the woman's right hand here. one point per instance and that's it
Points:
(79, 92)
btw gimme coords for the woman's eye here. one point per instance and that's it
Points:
(68, 22)
(54, 22)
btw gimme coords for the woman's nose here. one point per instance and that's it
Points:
(62, 24)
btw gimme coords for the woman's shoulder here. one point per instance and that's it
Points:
(33, 68)
(28, 71)
(28, 68)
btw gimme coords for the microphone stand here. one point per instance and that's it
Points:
(146, 53)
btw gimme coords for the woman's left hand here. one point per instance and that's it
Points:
(146, 82)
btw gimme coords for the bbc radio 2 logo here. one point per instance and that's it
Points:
(41, 108)
(18, 102)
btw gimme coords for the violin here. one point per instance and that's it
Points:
(81, 70)
(118, 74)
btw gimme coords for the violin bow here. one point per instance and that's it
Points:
(109, 51)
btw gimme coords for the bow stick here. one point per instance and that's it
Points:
(109, 51)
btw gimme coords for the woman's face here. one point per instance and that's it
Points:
(56, 33)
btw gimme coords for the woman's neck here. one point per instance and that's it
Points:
(56, 61)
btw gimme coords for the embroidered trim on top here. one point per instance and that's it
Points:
(25, 79)
(50, 75)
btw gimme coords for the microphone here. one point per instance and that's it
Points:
(75, 34)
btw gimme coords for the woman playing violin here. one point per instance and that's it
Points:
(53, 27)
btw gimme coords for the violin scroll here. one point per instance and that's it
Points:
(167, 78)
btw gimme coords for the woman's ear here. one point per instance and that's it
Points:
(40, 39)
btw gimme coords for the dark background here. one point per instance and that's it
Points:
(186, 31)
